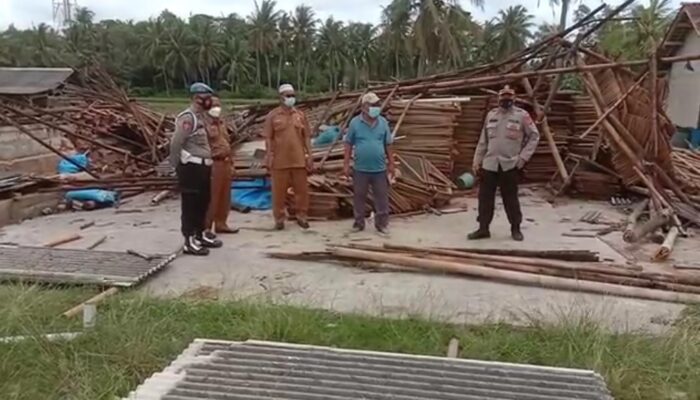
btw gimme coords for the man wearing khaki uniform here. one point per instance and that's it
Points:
(288, 141)
(508, 140)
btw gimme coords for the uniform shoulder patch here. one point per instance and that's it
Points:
(186, 123)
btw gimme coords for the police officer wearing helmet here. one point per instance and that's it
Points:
(190, 155)
(508, 140)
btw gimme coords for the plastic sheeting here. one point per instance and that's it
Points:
(256, 194)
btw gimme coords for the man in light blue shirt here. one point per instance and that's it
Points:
(370, 138)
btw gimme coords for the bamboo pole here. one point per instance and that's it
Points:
(614, 106)
(547, 132)
(648, 227)
(46, 145)
(667, 247)
(403, 114)
(342, 128)
(326, 113)
(628, 235)
(94, 300)
(63, 240)
(551, 282)
(653, 92)
(74, 134)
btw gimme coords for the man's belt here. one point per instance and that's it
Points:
(198, 160)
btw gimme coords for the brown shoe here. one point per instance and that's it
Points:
(279, 226)
(226, 230)
(303, 224)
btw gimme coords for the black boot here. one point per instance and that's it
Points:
(516, 234)
(209, 243)
(193, 247)
(481, 233)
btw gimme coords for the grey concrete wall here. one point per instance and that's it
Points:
(20, 153)
(684, 86)
(26, 206)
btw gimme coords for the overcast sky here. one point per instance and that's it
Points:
(26, 13)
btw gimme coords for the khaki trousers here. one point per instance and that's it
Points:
(283, 179)
(220, 203)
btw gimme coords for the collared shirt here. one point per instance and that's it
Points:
(218, 140)
(190, 136)
(288, 131)
(369, 141)
(508, 137)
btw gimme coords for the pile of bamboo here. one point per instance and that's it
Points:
(466, 135)
(686, 164)
(96, 115)
(425, 129)
(419, 186)
(613, 280)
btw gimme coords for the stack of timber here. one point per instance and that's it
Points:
(425, 129)
(468, 130)
(606, 279)
(686, 164)
(418, 186)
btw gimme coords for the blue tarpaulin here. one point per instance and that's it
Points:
(256, 194)
(327, 136)
(101, 197)
(66, 167)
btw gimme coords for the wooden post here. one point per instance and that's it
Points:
(667, 247)
(478, 271)
(614, 106)
(94, 300)
(63, 240)
(653, 92)
(547, 132)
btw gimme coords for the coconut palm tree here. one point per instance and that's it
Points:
(238, 66)
(284, 39)
(512, 30)
(361, 50)
(304, 30)
(263, 32)
(331, 50)
(396, 29)
(153, 41)
(178, 54)
(208, 48)
(650, 23)
(44, 47)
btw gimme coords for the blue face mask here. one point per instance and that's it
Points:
(374, 112)
(290, 101)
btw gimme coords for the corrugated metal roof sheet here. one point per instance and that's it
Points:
(27, 81)
(42, 264)
(263, 370)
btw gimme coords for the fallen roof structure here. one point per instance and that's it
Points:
(32, 81)
(103, 268)
(211, 369)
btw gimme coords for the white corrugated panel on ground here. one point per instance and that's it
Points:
(253, 370)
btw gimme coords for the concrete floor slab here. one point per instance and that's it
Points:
(241, 269)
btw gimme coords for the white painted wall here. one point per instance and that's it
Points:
(684, 86)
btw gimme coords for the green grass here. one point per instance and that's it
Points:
(136, 337)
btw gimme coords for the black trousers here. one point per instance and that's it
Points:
(194, 182)
(508, 182)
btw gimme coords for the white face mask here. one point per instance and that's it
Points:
(215, 112)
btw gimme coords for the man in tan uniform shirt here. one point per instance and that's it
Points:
(221, 173)
(508, 140)
(288, 141)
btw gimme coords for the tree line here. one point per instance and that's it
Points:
(251, 55)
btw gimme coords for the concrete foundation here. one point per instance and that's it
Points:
(26, 206)
(241, 269)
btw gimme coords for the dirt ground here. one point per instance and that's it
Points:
(241, 269)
